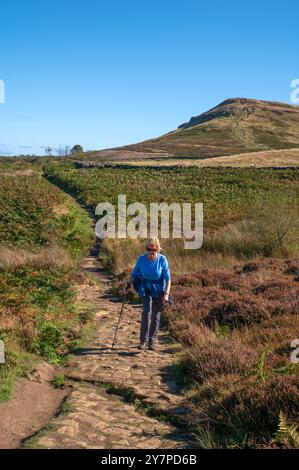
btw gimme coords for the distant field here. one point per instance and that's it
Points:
(270, 158)
(235, 201)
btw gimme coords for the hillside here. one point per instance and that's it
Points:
(235, 126)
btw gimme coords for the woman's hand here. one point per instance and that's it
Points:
(167, 291)
(127, 289)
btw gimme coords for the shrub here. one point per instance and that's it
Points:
(48, 340)
(256, 407)
(217, 357)
(240, 310)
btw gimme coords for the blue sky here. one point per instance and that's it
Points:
(103, 74)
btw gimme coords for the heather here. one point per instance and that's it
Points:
(235, 327)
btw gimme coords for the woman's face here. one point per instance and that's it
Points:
(152, 251)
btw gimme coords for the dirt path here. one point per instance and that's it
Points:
(113, 392)
(18, 418)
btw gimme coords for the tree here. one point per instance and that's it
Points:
(48, 151)
(67, 151)
(60, 151)
(63, 151)
(77, 149)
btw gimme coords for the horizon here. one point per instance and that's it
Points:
(104, 76)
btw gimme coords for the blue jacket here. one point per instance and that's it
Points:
(150, 277)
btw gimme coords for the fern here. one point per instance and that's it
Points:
(286, 434)
(286, 370)
(258, 370)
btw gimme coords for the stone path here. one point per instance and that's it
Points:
(114, 390)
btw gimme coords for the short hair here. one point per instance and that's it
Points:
(153, 241)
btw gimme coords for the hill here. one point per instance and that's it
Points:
(235, 126)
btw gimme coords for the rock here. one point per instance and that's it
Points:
(43, 373)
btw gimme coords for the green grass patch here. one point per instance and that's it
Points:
(43, 234)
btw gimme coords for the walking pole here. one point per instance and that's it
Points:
(120, 315)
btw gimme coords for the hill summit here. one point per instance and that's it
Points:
(235, 126)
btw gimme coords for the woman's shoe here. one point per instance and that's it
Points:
(152, 347)
(142, 346)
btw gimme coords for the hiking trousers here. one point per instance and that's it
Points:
(151, 315)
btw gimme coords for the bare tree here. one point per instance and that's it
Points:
(63, 151)
(60, 151)
(48, 151)
(67, 151)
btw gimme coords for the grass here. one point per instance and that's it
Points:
(43, 234)
(225, 193)
(7, 382)
(268, 158)
(59, 381)
(239, 205)
(32, 442)
(17, 364)
(183, 381)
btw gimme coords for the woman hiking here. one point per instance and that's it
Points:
(151, 278)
